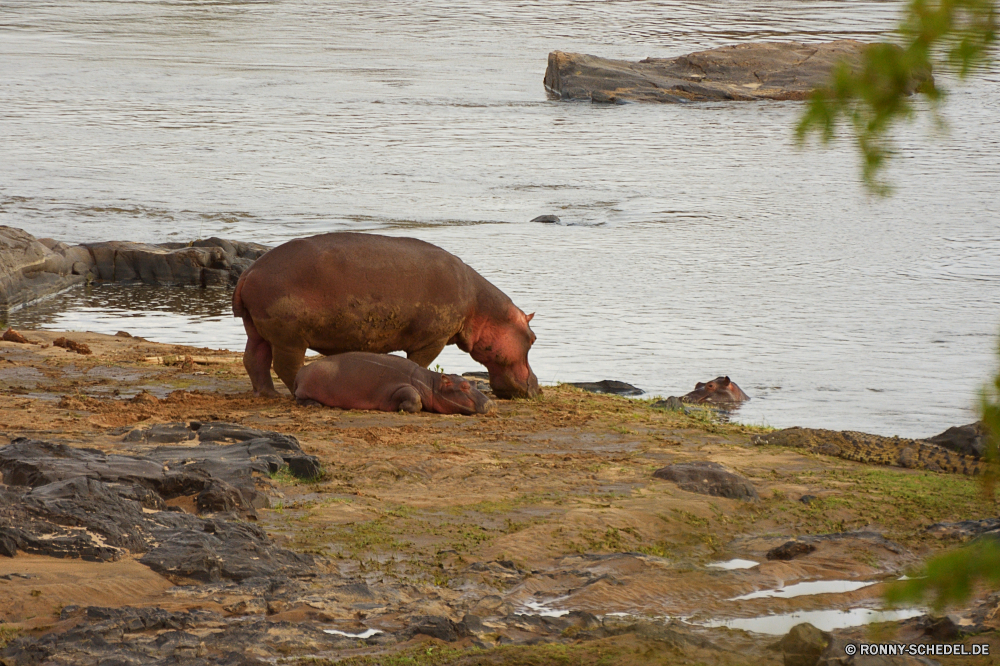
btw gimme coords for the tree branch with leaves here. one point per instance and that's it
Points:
(945, 36)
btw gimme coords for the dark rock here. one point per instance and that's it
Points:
(219, 497)
(168, 433)
(67, 502)
(766, 70)
(965, 529)
(941, 628)
(608, 386)
(969, 440)
(234, 551)
(436, 626)
(808, 499)
(305, 467)
(790, 550)
(708, 478)
(673, 403)
(803, 645)
(547, 219)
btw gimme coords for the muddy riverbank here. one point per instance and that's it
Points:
(539, 535)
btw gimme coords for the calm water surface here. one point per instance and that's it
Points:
(696, 240)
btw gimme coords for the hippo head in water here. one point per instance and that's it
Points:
(502, 346)
(719, 390)
(453, 394)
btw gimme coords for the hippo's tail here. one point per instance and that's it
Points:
(238, 309)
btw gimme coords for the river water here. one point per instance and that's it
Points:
(696, 240)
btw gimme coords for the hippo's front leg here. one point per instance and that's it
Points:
(407, 399)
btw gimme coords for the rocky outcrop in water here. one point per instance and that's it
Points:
(770, 70)
(32, 268)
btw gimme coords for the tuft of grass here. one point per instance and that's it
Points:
(7, 634)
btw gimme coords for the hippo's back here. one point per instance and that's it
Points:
(356, 292)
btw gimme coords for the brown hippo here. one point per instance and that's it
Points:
(719, 390)
(360, 380)
(345, 292)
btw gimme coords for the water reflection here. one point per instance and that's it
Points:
(178, 315)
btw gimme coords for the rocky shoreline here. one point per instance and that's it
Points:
(33, 268)
(159, 513)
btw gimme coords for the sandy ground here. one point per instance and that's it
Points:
(551, 504)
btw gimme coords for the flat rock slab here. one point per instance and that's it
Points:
(745, 72)
(81, 503)
(708, 478)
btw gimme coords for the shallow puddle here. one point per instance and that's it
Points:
(368, 633)
(541, 608)
(734, 564)
(813, 587)
(825, 620)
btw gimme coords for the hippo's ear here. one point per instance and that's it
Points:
(699, 385)
(445, 381)
(530, 317)
(724, 381)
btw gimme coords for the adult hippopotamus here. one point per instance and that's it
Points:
(360, 380)
(344, 292)
(719, 390)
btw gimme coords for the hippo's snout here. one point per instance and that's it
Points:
(507, 387)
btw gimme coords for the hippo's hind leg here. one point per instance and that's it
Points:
(257, 360)
(287, 363)
(425, 355)
(407, 399)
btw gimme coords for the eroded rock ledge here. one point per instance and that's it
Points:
(770, 70)
(32, 268)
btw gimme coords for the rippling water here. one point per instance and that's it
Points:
(696, 239)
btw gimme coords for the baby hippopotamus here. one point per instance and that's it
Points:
(719, 390)
(360, 380)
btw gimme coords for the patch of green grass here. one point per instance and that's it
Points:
(903, 502)
(493, 507)
(7, 634)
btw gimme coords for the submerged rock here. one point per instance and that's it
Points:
(708, 478)
(768, 70)
(608, 386)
